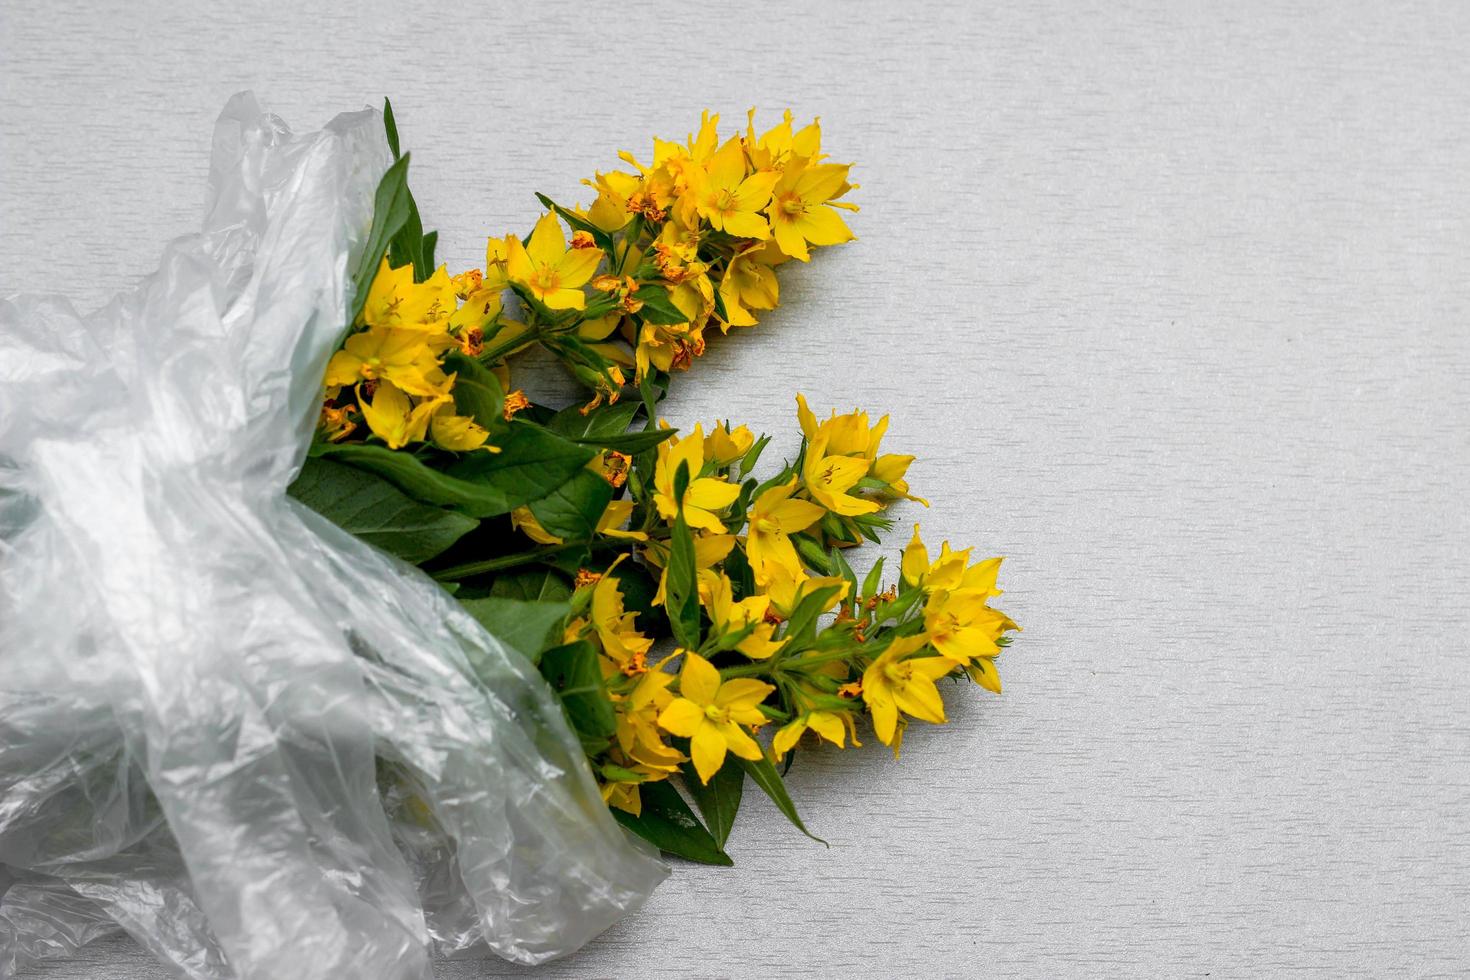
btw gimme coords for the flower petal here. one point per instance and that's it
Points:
(707, 749)
(682, 717)
(699, 681)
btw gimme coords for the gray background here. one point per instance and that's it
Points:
(1170, 301)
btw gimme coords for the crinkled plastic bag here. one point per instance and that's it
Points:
(253, 742)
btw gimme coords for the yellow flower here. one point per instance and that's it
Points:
(787, 590)
(711, 713)
(724, 446)
(780, 143)
(704, 496)
(624, 795)
(963, 628)
(774, 516)
(521, 519)
(828, 724)
(708, 549)
(458, 433)
(839, 453)
(728, 616)
(800, 208)
(638, 734)
(829, 478)
(847, 435)
(553, 273)
(957, 614)
(395, 300)
(892, 684)
(749, 283)
(400, 356)
(730, 201)
(614, 517)
(621, 641)
(951, 572)
(610, 210)
(336, 423)
(394, 418)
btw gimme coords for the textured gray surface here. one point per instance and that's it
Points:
(1173, 305)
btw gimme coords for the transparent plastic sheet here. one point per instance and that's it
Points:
(250, 740)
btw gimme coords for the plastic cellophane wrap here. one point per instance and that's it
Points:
(227, 727)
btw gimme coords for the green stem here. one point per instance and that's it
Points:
(498, 352)
(503, 562)
(748, 670)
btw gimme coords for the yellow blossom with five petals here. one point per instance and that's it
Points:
(713, 714)
(895, 683)
(553, 273)
(704, 496)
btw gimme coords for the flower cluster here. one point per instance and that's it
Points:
(764, 563)
(664, 251)
(696, 620)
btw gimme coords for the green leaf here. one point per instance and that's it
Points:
(842, 568)
(652, 389)
(572, 510)
(669, 824)
(610, 420)
(391, 209)
(574, 673)
(407, 247)
(719, 799)
(532, 462)
(658, 306)
(527, 627)
(631, 443)
(874, 579)
(534, 586)
(681, 589)
(408, 474)
(802, 624)
(477, 391)
(768, 779)
(431, 240)
(578, 223)
(391, 126)
(371, 508)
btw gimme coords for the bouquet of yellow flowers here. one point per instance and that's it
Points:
(589, 535)
(237, 722)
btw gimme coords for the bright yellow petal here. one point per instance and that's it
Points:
(577, 265)
(983, 672)
(699, 681)
(739, 741)
(746, 224)
(920, 698)
(727, 167)
(342, 369)
(742, 692)
(823, 226)
(564, 299)
(711, 494)
(805, 415)
(885, 714)
(915, 559)
(707, 749)
(548, 241)
(829, 726)
(681, 717)
(791, 516)
(789, 237)
(788, 736)
(821, 182)
(755, 191)
(518, 265)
